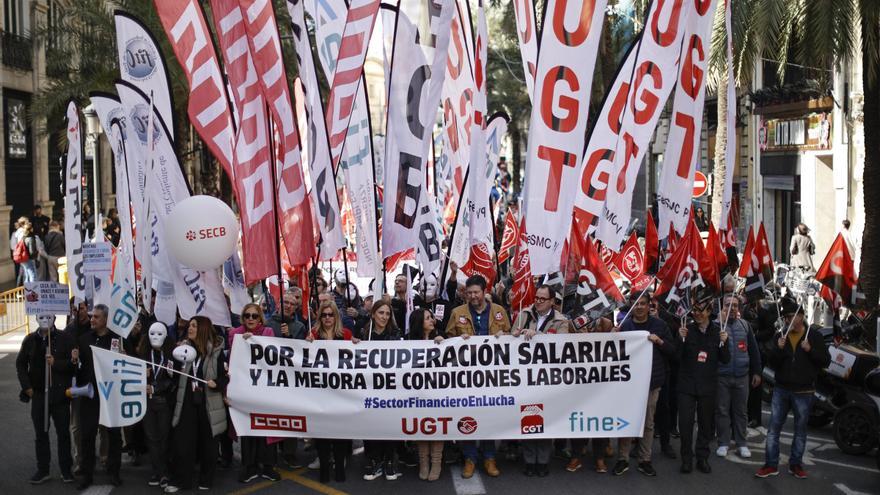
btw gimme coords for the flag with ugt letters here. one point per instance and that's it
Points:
(121, 387)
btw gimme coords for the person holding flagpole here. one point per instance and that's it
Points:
(797, 358)
(44, 372)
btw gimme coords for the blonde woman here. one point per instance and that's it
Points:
(329, 327)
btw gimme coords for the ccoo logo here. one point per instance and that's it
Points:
(139, 58)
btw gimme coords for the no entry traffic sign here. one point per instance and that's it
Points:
(701, 184)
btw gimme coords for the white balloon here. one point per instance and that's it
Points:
(201, 232)
(184, 353)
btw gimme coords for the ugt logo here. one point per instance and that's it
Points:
(531, 420)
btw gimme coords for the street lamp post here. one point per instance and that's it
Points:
(94, 130)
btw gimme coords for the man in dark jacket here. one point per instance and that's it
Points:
(288, 323)
(798, 357)
(703, 346)
(736, 378)
(664, 350)
(99, 336)
(47, 346)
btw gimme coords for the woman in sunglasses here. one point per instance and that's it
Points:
(703, 345)
(257, 457)
(330, 327)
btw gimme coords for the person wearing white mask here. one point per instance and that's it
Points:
(47, 348)
(430, 297)
(156, 348)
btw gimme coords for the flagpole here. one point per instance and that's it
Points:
(454, 227)
(345, 267)
(275, 186)
(167, 368)
(644, 291)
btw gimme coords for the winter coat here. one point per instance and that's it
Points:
(802, 250)
(461, 322)
(212, 368)
(699, 356)
(796, 370)
(554, 323)
(662, 353)
(745, 357)
(30, 363)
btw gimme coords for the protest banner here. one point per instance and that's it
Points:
(122, 387)
(559, 386)
(46, 297)
(97, 258)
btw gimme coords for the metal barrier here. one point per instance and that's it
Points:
(12, 314)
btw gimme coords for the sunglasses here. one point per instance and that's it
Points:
(251, 316)
(328, 315)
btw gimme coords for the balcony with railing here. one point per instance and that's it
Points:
(17, 51)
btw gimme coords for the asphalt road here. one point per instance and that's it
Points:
(830, 471)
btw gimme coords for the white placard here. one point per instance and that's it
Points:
(46, 297)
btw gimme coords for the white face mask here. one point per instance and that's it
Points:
(185, 353)
(157, 335)
(431, 286)
(46, 321)
(340, 277)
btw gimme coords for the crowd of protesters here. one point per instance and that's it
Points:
(704, 384)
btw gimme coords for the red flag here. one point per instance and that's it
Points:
(689, 269)
(762, 251)
(300, 277)
(748, 268)
(522, 292)
(509, 238)
(708, 268)
(597, 294)
(629, 260)
(480, 263)
(672, 240)
(715, 251)
(838, 274)
(652, 244)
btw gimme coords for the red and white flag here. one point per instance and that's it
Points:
(509, 238)
(652, 245)
(683, 144)
(522, 291)
(652, 80)
(630, 261)
(686, 273)
(294, 212)
(252, 167)
(715, 251)
(837, 273)
(597, 294)
(480, 263)
(208, 106)
(325, 200)
(563, 82)
(527, 33)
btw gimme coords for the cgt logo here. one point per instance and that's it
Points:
(532, 419)
(277, 422)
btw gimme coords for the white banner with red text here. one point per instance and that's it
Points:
(553, 386)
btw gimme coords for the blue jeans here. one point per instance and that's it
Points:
(784, 401)
(469, 449)
(30, 271)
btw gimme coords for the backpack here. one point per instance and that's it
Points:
(21, 254)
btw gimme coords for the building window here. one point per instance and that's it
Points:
(16, 17)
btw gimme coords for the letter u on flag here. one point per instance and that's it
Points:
(122, 387)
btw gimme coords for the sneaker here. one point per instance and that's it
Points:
(601, 468)
(203, 488)
(164, 482)
(797, 471)
(491, 468)
(620, 468)
(766, 472)
(573, 465)
(390, 473)
(744, 452)
(248, 475)
(373, 471)
(647, 469)
(39, 478)
(358, 450)
(171, 489)
(270, 474)
(67, 478)
(722, 451)
(154, 481)
(316, 464)
(468, 470)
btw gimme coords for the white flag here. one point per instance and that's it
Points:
(730, 152)
(73, 221)
(122, 387)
